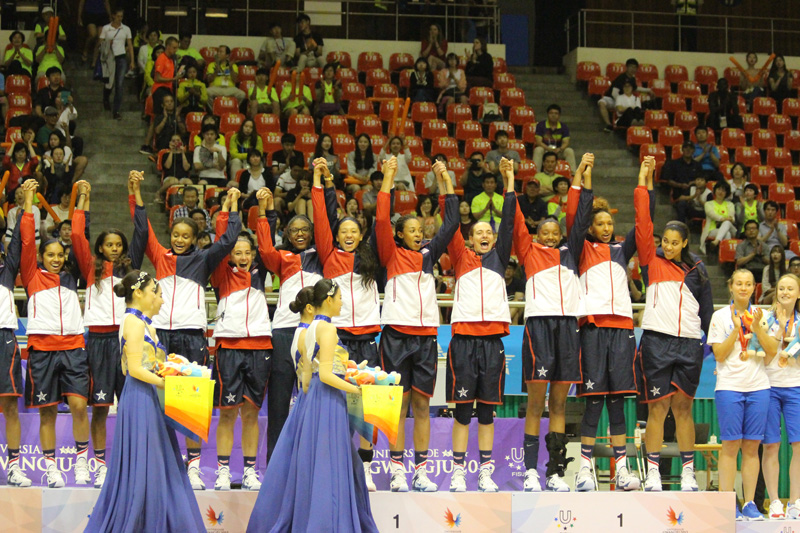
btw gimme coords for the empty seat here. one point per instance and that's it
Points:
(638, 135)
(587, 70)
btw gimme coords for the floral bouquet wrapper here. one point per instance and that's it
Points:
(188, 402)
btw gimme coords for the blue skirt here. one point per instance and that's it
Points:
(315, 479)
(146, 487)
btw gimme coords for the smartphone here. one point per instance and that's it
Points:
(65, 97)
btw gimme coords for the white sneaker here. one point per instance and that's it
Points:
(688, 481)
(194, 478)
(223, 481)
(398, 482)
(485, 482)
(792, 509)
(81, 469)
(16, 478)
(532, 483)
(652, 482)
(368, 477)
(458, 481)
(421, 483)
(556, 483)
(584, 480)
(776, 510)
(100, 476)
(55, 477)
(250, 479)
(626, 480)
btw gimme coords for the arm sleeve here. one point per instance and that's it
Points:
(27, 231)
(450, 225)
(577, 237)
(323, 237)
(13, 254)
(383, 229)
(220, 228)
(143, 232)
(217, 252)
(644, 226)
(331, 203)
(505, 233)
(573, 196)
(266, 249)
(80, 244)
(522, 239)
(629, 246)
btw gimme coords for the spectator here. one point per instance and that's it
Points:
(222, 76)
(200, 218)
(557, 205)
(720, 217)
(18, 59)
(191, 203)
(749, 252)
(547, 175)
(780, 81)
(771, 274)
(145, 54)
(515, 290)
(751, 81)
(66, 123)
(453, 84)
(262, 99)
(79, 162)
(434, 47)
(324, 148)
(167, 124)
(794, 265)
(500, 151)
(298, 199)
(361, 163)
(629, 107)
(15, 214)
(328, 94)
(165, 77)
(308, 45)
(276, 47)
(46, 58)
(286, 183)
(286, 158)
(427, 216)
(403, 181)
(429, 181)
(738, 181)
(488, 205)
(472, 179)
(480, 67)
(204, 239)
(242, 142)
(749, 208)
(210, 158)
(295, 100)
(57, 171)
(176, 167)
(93, 14)
(723, 108)
(706, 153)
(209, 119)
(50, 125)
(679, 174)
(370, 197)
(186, 55)
(421, 85)
(351, 208)
(60, 208)
(64, 235)
(192, 93)
(609, 99)
(117, 43)
(692, 205)
(553, 136)
(149, 72)
(466, 221)
(253, 178)
(533, 207)
(50, 94)
(771, 231)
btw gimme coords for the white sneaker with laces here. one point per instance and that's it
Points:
(532, 483)
(81, 469)
(776, 510)
(55, 477)
(194, 478)
(652, 482)
(250, 479)
(223, 481)
(16, 478)
(421, 482)
(556, 483)
(458, 481)
(485, 481)
(792, 509)
(100, 476)
(584, 480)
(368, 478)
(626, 480)
(688, 481)
(399, 483)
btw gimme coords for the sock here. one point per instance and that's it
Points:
(531, 448)
(586, 455)
(13, 456)
(194, 457)
(653, 460)
(249, 462)
(100, 456)
(81, 450)
(223, 460)
(397, 458)
(687, 458)
(486, 457)
(49, 457)
(366, 455)
(458, 458)
(620, 456)
(420, 458)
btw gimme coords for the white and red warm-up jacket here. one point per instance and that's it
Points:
(8, 277)
(552, 288)
(678, 298)
(409, 302)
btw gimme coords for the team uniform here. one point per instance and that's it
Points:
(10, 357)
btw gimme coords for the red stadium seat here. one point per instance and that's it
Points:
(795, 78)
(333, 124)
(724, 158)
(793, 210)
(414, 144)
(700, 103)
(370, 125)
(353, 91)
(384, 91)
(587, 70)
(264, 122)
(499, 65)
(676, 73)
(669, 136)
(764, 106)
(504, 80)
(689, 89)
(673, 103)
(733, 76)
(733, 138)
(458, 112)
(422, 111)
(479, 95)
(779, 157)
(614, 69)
(711, 138)
(242, 54)
(562, 167)
(477, 145)
(469, 129)
(369, 60)
(209, 54)
(727, 250)
(458, 165)
(791, 107)
(527, 170)
(742, 104)
(599, 85)
(400, 61)
(225, 104)
(433, 128)
(419, 166)
(306, 142)
(686, 120)
(378, 141)
(781, 193)
(346, 75)
(655, 150)
(312, 75)
(343, 143)
(18, 84)
(763, 175)
(360, 108)
(646, 73)
(377, 76)
(494, 127)
(750, 122)
(529, 133)
(386, 111)
(763, 139)
(706, 75)
(791, 141)
(300, 124)
(14, 135)
(660, 88)
(407, 128)
(748, 156)
(405, 79)
(791, 230)
(655, 118)
(780, 124)
(230, 122)
(405, 202)
(20, 101)
(511, 97)
(791, 176)
(638, 135)
(517, 145)
(272, 143)
(521, 115)
(343, 58)
(247, 86)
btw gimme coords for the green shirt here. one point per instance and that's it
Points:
(482, 200)
(49, 59)
(295, 102)
(546, 180)
(191, 52)
(27, 53)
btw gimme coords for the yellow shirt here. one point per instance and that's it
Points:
(224, 75)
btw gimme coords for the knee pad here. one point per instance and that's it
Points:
(616, 414)
(485, 413)
(463, 413)
(591, 416)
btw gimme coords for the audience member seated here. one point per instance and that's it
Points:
(422, 87)
(428, 216)
(145, 53)
(210, 157)
(351, 209)
(47, 58)
(295, 101)
(692, 205)
(429, 180)
(553, 136)
(452, 83)
(177, 167)
(706, 153)
(18, 59)
(771, 231)
(286, 158)
(720, 217)
(149, 71)
(200, 217)
(15, 214)
(50, 125)
(472, 179)
(434, 47)
(191, 202)
(370, 197)
(309, 45)
(276, 47)
(749, 208)
(58, 173)
(263, 99)
(750, 252)
(186, 55)
(327, 94)
(50, 94)
(403, 180)
(242, 142)
(780, 81)
(43, 24)
(500, 151)
(488, 205)
(609, 99)
(212, 120)
(628, 107)
(58, 139)
(533, 207)
(751, 82)
(61, 208)
(794, 265)
(466, 221)
(739, 178)
(723, 108)
(546, 174)
(557, 205)
(324, 148)
(286, 183)
(361, 163)
(298, 199)
(680, 174)
(204, 240)
(771, 274)
(253, 178)
(167, 124)
(515, 290)
(480, 66)
(192, 93)
(223, 76)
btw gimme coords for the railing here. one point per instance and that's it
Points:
(608, 28)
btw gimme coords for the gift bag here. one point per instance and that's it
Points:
(187, 403)
(355, 413)
(377, 407)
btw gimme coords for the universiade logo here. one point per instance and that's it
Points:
(450, 520)
(213, 518)
(565, 520)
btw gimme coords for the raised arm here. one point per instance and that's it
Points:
(583, 218)
(27, 231)
(450, 217)
(266, 249)
(323, 237)
(80, 243)
(505, 232)
(383, 224)
(220, 229)
(218, 251)
(143, 234)
(644, 219)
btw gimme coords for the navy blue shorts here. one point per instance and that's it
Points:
(786, 401)
(361, 348)
(551, 350)
(10, 364)
(411, 356)
(476, 369)
(190, 343)
(743, 415)
(54, 375)
(607, 356)
(666, 364)
(105, 368)
(241, 375)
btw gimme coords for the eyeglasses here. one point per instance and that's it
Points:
(478, 161)
(295, 231)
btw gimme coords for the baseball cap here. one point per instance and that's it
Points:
(50, 110)
(534, 180)
(687, 144)
(47, 9)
